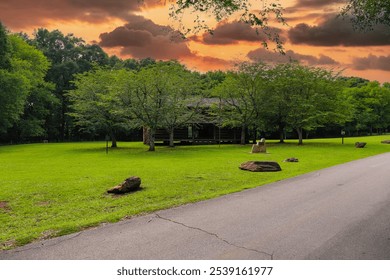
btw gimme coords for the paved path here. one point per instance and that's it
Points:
(342, 212)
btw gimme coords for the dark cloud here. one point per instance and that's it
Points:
(303, 17)
(25, 13)
(274, 57)
(372, 62)
(227, 33)
(309, 5)
(142, 38)
(316, 3)
(335, 31)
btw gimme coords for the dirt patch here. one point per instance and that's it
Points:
(43, 203)
(48, 234)
(8, 245)
(4, 205)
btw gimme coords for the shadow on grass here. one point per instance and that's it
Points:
(119, 195)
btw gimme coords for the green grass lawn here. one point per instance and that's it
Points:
(48, 190)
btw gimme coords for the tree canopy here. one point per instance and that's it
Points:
(68, 55)
(159, 96)
(22, 72)
(367, 13)
(94, 103)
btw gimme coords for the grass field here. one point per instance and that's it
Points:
(48, 190)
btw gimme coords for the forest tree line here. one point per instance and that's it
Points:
(56, 87)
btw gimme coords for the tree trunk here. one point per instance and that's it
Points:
(152, 134)
(300, 136)
(254, 139)
(62, 120)
(171, 137)
(145, 136)
(113, 141)
(281, 135)
(243, 130)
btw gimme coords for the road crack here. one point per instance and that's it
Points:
(271, 256)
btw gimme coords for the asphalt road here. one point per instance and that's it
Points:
(342, 212)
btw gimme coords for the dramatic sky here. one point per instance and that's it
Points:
(314, 34)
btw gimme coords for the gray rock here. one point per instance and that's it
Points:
(129, 185)
(360, 144)
(260, 166)
(385, 142)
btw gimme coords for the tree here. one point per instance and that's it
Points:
(371, 107)
(367, 13)
(183, 100)
(303, 98)
(94, 102)
(21, 75)
(210, 80)
(159, 96)
(38, 107)
(241, 94)
(68, 55)
(13, 94)
(4, 48)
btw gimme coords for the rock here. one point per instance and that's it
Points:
(129, 185)
(259, 147)
(385, 142)
(293, 159)
(360, 144)
(260, 166)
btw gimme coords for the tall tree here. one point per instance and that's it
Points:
(69, 55)
(94, 102)
(371, 107)
(4, 48)
(21, 73)
(241, 95)
(312, 97)
(183, 100)
(158, 96)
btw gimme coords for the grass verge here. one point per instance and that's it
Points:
(48, 190)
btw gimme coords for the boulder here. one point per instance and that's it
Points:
(259, 147)
(260, 166)
(293, 159)
(385, 142)
(129, 185)
(360, 144)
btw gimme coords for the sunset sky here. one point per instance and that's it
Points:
(314, 34)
